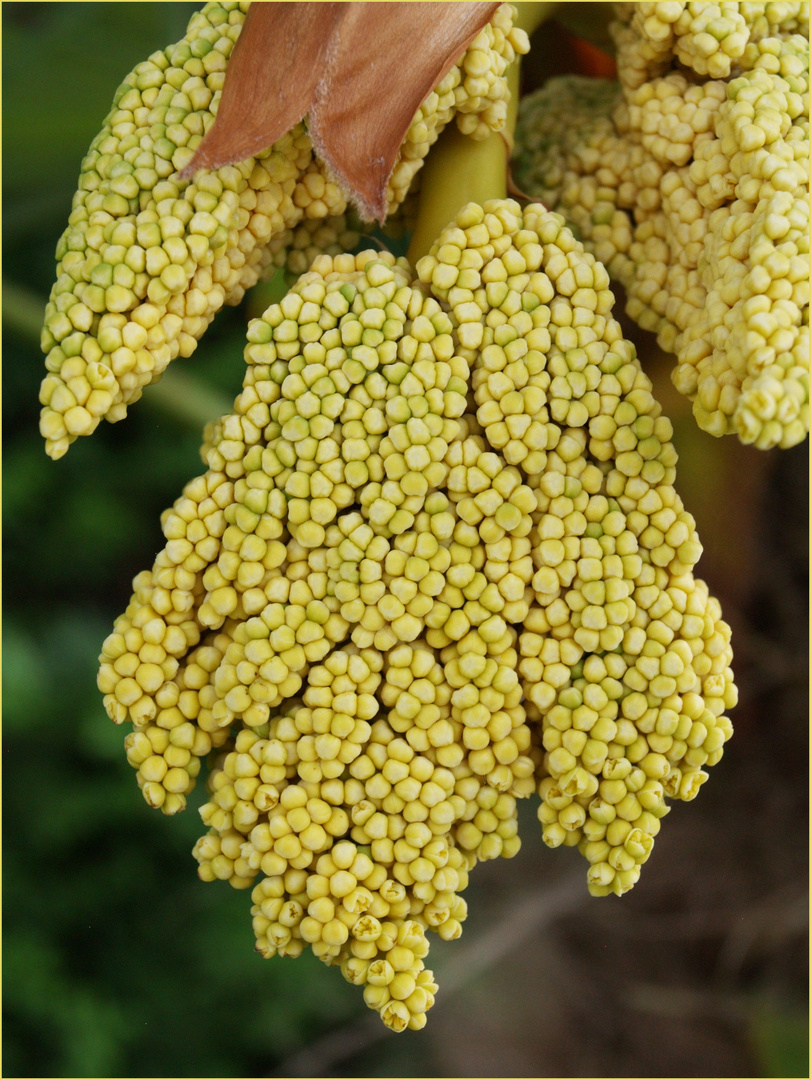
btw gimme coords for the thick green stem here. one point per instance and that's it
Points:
(458, 169)
(531, 15)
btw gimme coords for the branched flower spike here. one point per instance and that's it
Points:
(436, 563)
(689, 180)
(152, 253)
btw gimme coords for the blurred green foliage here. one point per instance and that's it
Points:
(781, 1042)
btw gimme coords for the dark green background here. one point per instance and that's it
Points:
(119, 962)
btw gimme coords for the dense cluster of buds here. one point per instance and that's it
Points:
(436, 564)
(688, 178)
(148, 258)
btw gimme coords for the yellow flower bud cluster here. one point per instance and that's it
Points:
(474, 91)
(694, 194)
(148, 259)
(613, 599)
(164, 683)
(704, 37)
(612, 755)
(317, 236)
(436, 564)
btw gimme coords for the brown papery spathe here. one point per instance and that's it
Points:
(359, 71)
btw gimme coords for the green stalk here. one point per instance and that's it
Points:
(531, 15)
(23, 312)
(187, 399)
(458, 169)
